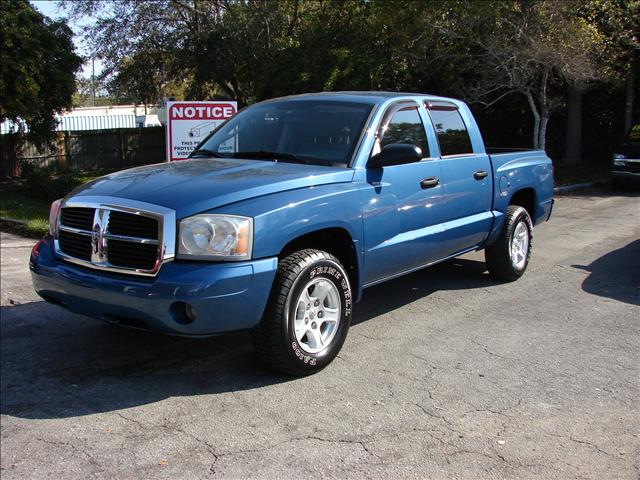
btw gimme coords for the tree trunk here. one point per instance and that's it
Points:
(573, 141)
(629, 94)
(536, 120)
(542, 140)
(544, 110)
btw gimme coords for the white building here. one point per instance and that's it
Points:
(106, 117)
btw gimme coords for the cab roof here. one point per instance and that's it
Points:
(360, 96)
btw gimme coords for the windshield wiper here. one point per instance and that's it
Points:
(265, 154)
(204, 151)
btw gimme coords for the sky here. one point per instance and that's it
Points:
(51, 9)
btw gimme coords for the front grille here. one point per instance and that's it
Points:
(110, 238)
(76, 245)
(132, 255)
(80, 218)
(121, 223)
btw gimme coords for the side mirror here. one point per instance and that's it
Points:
(395, 154)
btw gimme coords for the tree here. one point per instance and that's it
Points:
(249, 50)
(138, 79)
(618, 21)
(37, 69)
(144, 44)
(245, 50)
(531, 49)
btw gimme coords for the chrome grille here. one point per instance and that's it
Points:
(81, 218)
(121, 223)
(76, 245)
(132, 255)
(120, 238)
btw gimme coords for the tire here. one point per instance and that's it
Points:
(500, 262)
(298, 335)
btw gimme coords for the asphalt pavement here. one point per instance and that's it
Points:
(445, 374)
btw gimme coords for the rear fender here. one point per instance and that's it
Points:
(516, 172)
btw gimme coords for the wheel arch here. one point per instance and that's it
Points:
(334, 240)
(525, 198)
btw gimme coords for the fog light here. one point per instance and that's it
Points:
(183, 313)
(190, 312)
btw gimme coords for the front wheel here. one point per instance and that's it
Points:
(308, 314)
(507, 258)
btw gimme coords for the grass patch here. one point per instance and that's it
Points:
(17, 204)
(588, 172)
(20, 202)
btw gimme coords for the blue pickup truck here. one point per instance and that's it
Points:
(285, 214)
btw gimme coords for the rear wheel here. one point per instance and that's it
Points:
(308, 315)
(508, 257)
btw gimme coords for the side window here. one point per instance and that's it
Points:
(452, 133)
(406, 127)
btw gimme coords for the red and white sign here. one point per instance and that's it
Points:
(188, 123)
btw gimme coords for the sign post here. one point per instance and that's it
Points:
(189, 122)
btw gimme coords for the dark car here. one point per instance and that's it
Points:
(626, 159)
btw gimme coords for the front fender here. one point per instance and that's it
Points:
(282, 217)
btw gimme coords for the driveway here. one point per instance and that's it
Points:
(445, 374)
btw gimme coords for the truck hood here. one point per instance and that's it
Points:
(195, 186)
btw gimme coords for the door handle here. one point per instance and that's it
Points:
(429, 182)
(480, 174)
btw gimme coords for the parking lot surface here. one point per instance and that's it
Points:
(445, 374)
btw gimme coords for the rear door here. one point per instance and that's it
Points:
(466, 179)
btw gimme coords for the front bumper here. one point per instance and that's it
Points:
(225, 296)
(625, 176)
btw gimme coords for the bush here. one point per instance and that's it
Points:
(43, 183)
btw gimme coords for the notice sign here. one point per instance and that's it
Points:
(188, 123)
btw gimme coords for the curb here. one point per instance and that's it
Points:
(578, 186)
(12, 220)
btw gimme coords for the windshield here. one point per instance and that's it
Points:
(306, 131)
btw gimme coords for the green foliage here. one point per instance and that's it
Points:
(488, 53)
(37, 68)
(138, 79)
(618, 23)
(44, 184)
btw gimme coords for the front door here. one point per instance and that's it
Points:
(402, 204)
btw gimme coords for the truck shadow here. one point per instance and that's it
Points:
(615, 275)
(55, 364)
(455, 274)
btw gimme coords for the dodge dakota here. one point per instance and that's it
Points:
(284, 214)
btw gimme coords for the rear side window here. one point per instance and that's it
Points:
(452, 133)
(406, 127)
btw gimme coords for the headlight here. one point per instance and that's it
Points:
(215, 237)
(54, 213)
(618, 159)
